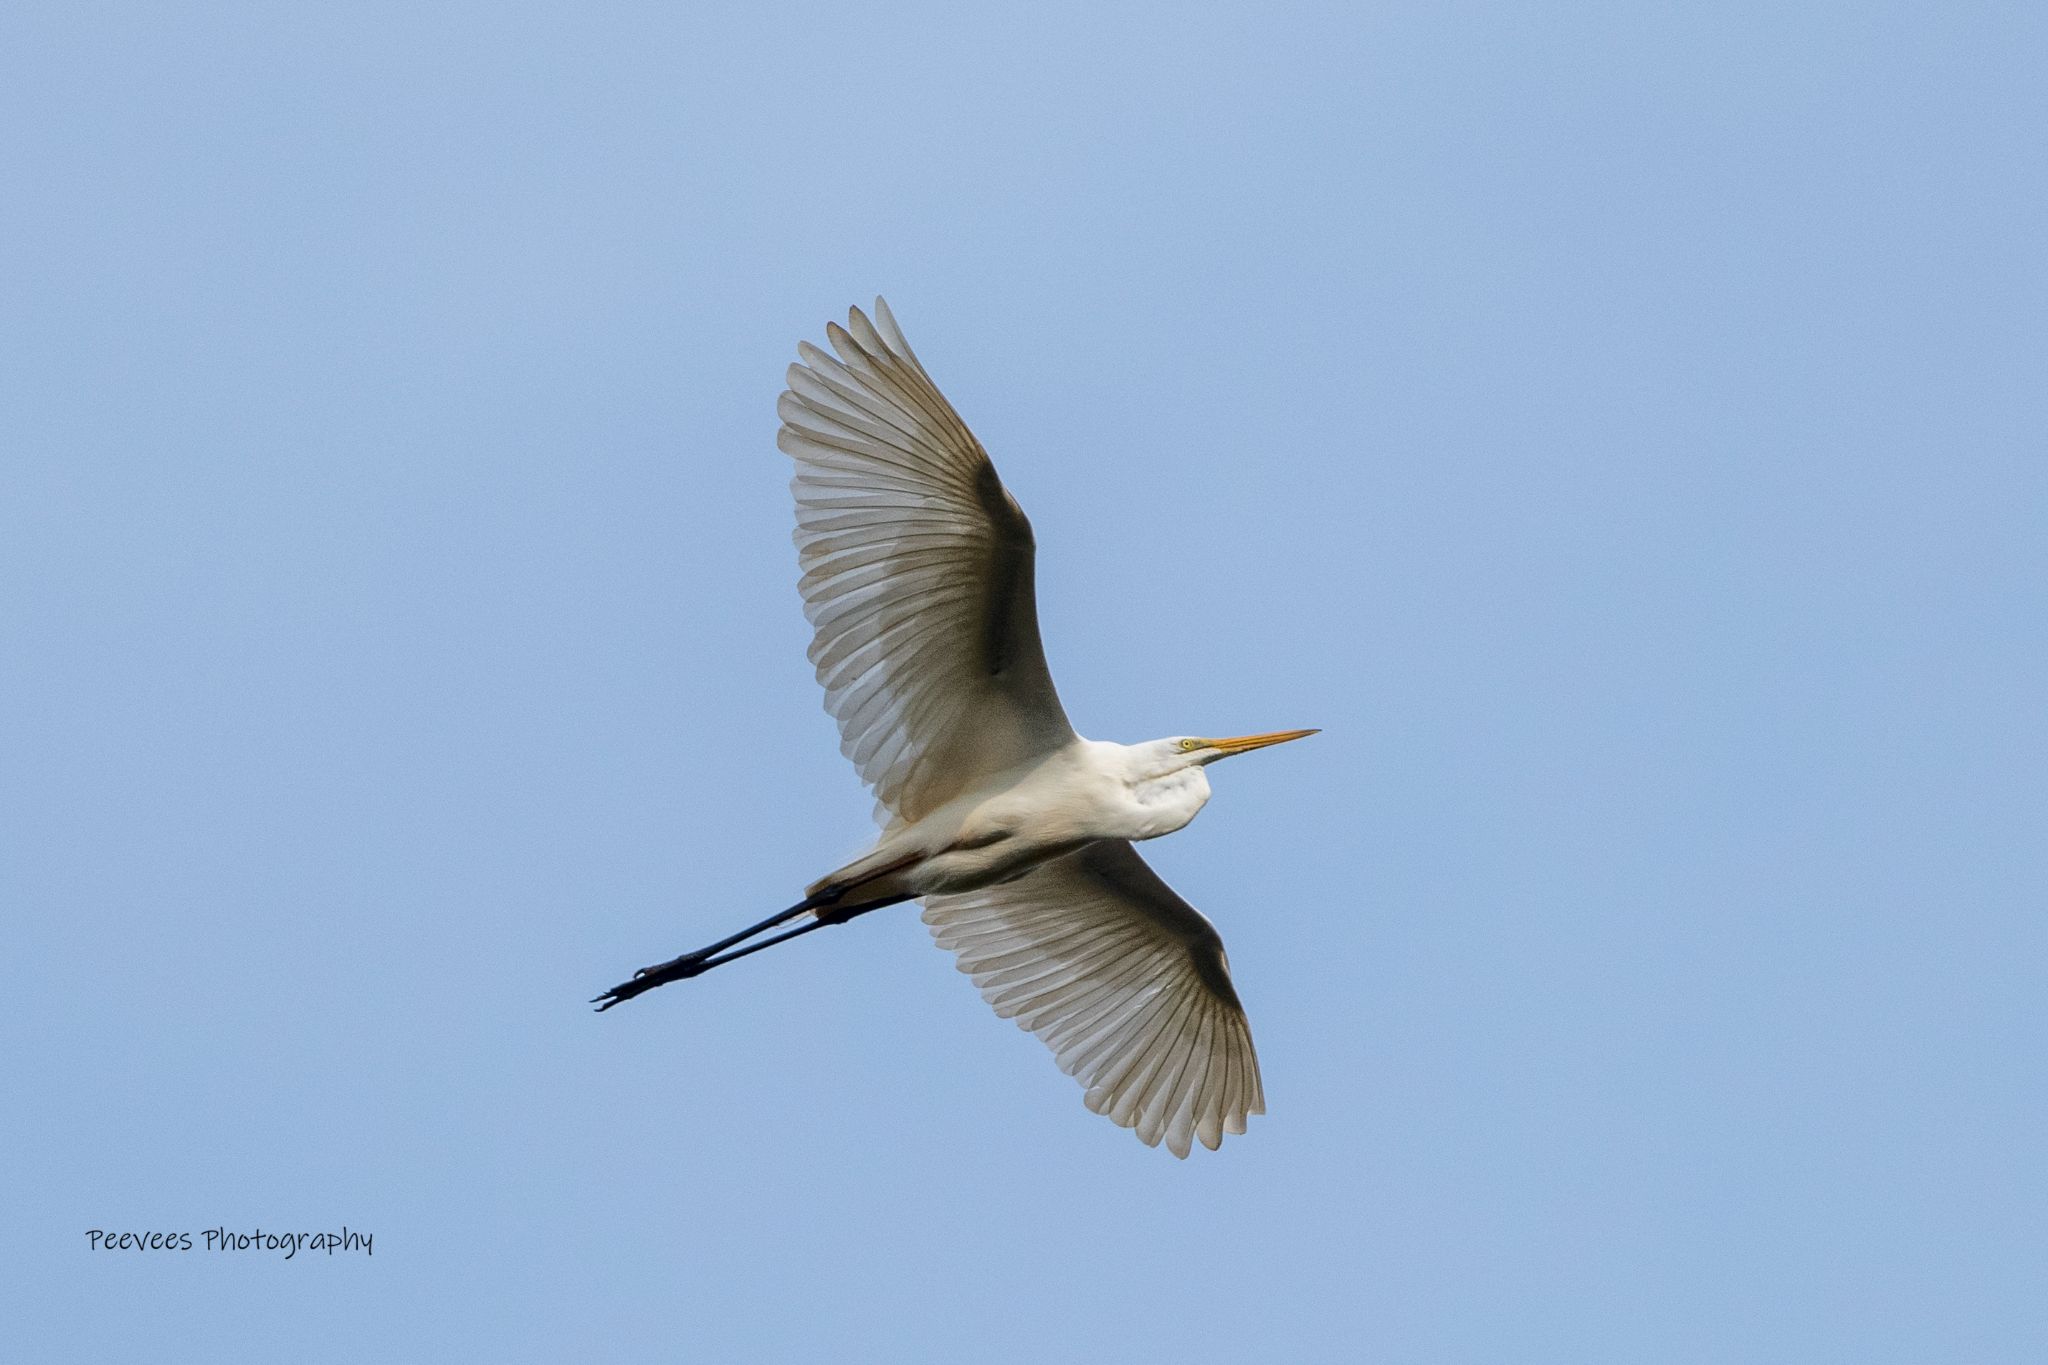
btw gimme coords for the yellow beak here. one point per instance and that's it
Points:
(1244, 744)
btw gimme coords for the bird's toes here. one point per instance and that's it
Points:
(618, 995)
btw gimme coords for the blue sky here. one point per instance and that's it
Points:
(1621, 428)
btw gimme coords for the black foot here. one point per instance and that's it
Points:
(647, 978)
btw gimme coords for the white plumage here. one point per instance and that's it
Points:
(1014, 830)
(1123, 980)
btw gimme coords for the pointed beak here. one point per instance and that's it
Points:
(1244, 744)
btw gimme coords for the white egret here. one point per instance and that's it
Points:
(1014, 830)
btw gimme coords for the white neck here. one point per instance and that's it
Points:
(1162, 798)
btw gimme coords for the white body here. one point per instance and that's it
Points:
(1086, 791)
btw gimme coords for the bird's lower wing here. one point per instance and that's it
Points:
(1124, 981)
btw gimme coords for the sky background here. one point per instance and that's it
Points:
(1620, 427)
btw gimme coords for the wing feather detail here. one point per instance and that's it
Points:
(1125, 982)
(918, 575)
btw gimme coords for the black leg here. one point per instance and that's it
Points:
(704, 959)
(807, 903)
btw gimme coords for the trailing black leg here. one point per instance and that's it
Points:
(689, 964)
(715, 955)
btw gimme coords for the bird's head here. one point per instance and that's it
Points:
(1191, 751)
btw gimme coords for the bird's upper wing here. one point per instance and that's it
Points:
(917, 575)
(1123, 980)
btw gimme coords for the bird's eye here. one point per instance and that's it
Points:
(1190, 745)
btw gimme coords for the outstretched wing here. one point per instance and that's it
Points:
(917, 575)
(1123, 980)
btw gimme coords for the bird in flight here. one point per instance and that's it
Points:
(1015, 831)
